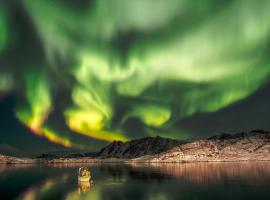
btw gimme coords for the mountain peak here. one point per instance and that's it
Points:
(138, 147)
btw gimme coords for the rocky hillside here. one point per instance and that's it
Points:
(138, 148)
(245, 146)
(254, 145)
(14, 160)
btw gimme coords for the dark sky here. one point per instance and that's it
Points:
(83, 73)
(15, 133)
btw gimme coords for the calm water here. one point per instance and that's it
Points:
(151, 182)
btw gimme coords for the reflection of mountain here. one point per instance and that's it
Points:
(140, 181)
(246, 173)
(121, 172)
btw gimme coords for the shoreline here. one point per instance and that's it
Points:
(23, 161)
(250, 146)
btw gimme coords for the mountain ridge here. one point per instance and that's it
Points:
(243, 146)
(138, 147)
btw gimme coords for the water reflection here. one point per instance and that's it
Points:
(83, 186)
(44, 189)
(249, 173)
(84, 180)
(139, 181)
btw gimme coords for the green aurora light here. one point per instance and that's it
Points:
(153, 60)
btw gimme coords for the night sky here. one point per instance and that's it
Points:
(82, 73)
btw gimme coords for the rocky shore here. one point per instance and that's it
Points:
(245, 146)
(13, 160)
(251, 146)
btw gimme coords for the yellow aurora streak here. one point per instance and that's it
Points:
(39, 100)
(158, 62)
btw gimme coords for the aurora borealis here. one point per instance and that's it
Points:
(103, 70)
